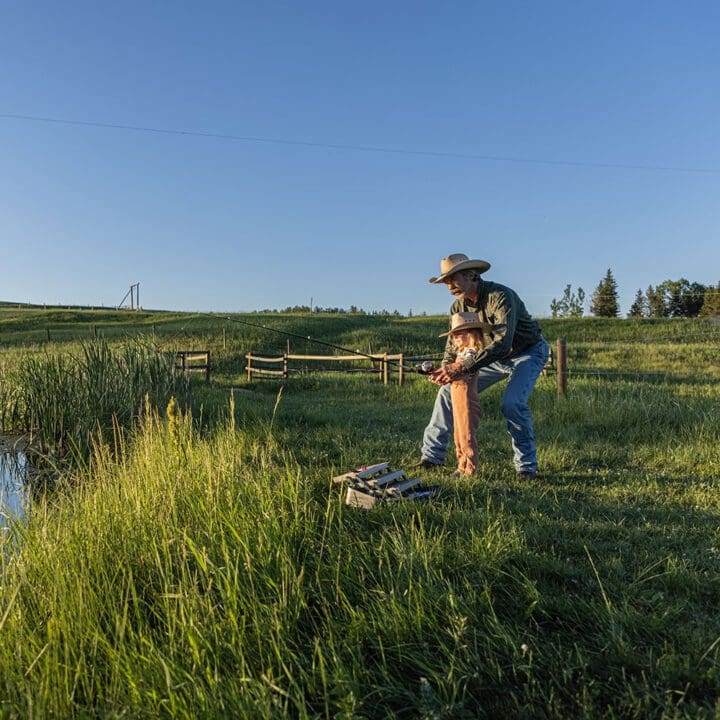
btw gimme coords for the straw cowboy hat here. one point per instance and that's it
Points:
(466, 321)
(456, 262)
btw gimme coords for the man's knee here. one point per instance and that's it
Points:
(513, 409)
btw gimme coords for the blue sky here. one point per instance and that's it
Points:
(552, 139)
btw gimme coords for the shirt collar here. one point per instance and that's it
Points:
(481, 292)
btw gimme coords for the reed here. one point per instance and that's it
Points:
(64, 401)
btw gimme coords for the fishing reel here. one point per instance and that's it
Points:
(425, 367)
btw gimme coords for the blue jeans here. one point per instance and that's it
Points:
(523, 371)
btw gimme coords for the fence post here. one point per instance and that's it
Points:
(286, 372)
(224, 339)
(561, 367)
(385, 373)
(48, 334)
(207, 366)
(549, 363)
(401, 370)
(248, 357)
(94, 331)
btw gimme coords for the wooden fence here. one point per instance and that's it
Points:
(381, 364)
(556, 362)
(186, 361)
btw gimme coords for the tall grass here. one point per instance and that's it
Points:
(218, 576)
(63, 401)
(212, 570)
(218, 579)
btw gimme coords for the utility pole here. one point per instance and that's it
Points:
(134, 293)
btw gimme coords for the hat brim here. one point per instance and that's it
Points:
(480, 265)
(485, 327)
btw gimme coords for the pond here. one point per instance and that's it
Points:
(13, 469)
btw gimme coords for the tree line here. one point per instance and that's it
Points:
(670, 298)
(352, 310)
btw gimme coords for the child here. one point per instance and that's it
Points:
(466, 331)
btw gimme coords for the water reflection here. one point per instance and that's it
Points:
(13, 468)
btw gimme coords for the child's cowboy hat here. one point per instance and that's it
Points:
(456, 262)
(466, 321)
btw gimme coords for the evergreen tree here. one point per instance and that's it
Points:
(639, 307)
(656, 302)
(605, 299)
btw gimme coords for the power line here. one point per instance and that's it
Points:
(362, 148)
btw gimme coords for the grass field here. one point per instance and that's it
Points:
(203, 565)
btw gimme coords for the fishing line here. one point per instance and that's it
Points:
(307, 338)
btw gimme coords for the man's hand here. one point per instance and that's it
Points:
(446, 374)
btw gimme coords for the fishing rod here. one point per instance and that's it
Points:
(423, 368)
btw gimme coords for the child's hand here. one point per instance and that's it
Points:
(446, 374)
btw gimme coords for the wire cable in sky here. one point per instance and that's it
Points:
(361, 148)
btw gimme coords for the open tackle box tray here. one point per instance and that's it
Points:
(372, 485)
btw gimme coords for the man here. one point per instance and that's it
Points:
(515, 349)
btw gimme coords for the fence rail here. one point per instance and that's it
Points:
(384, 363)
(186, 361)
